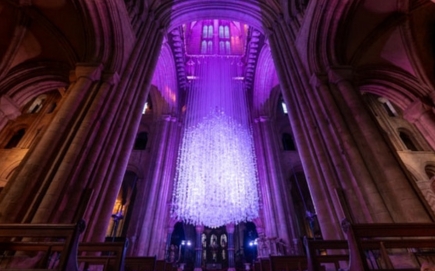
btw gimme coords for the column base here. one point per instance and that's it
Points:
(197, 269)
(231, 269)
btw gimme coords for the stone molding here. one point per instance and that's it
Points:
(415, 110)
(9, 108)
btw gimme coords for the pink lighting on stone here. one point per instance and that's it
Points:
(216, 179)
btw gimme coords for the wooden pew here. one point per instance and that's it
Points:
(108, 255)
(140, 263)
(325, 252)
(383, 237)
(18, 240)
(288, 263)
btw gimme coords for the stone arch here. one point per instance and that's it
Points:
(165, 80)
(398, 87)
(266, 83)
(26, 83)
(257, 14)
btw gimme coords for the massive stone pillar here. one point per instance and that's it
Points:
(276, 204)
(359, 203)
(325, 117)
(88, 143)
(391, 182)
(33, 172)
(317, 166)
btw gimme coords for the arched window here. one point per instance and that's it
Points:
(287, 142)
(227, 32)
(141, 141)
(204, 31)
(15, 139)
(37, 104)
(227, 47)
(388, 107)
(221, 32)
(284, 107)
(210, 31)
(408, 141)
(51, 108)
(210, 47)
(203, 47)
(221, 48)
(120, 213)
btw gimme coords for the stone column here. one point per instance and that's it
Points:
(198, 248)
(153, 191)
(276, 204)
(294, 82)
(39, 163)
(230, 248)
(423, 117)
(362, 203)
(390, 180)
(165, 183)
(169, 232)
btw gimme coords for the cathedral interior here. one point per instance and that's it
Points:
(217, 126)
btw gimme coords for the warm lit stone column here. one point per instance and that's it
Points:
(9, 110)
(230, 247)
(39, 161)
(390, 180)
(360, 203)
(423, 117)
(275, 204)
(198, 248)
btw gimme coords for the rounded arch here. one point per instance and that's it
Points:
(429, 169)
(398, 87)
(165, 80)
(136, 170)
(26, 82)
(408, 139)
(266, 84)
(107, 41)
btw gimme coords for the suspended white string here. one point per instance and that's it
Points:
(216, 178)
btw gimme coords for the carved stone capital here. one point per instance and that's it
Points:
(415, 110)
(339, 74)
(199, 228)
(318, 80)
(111, 78)
(91, 71)
(262, 119)
(230, 228)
